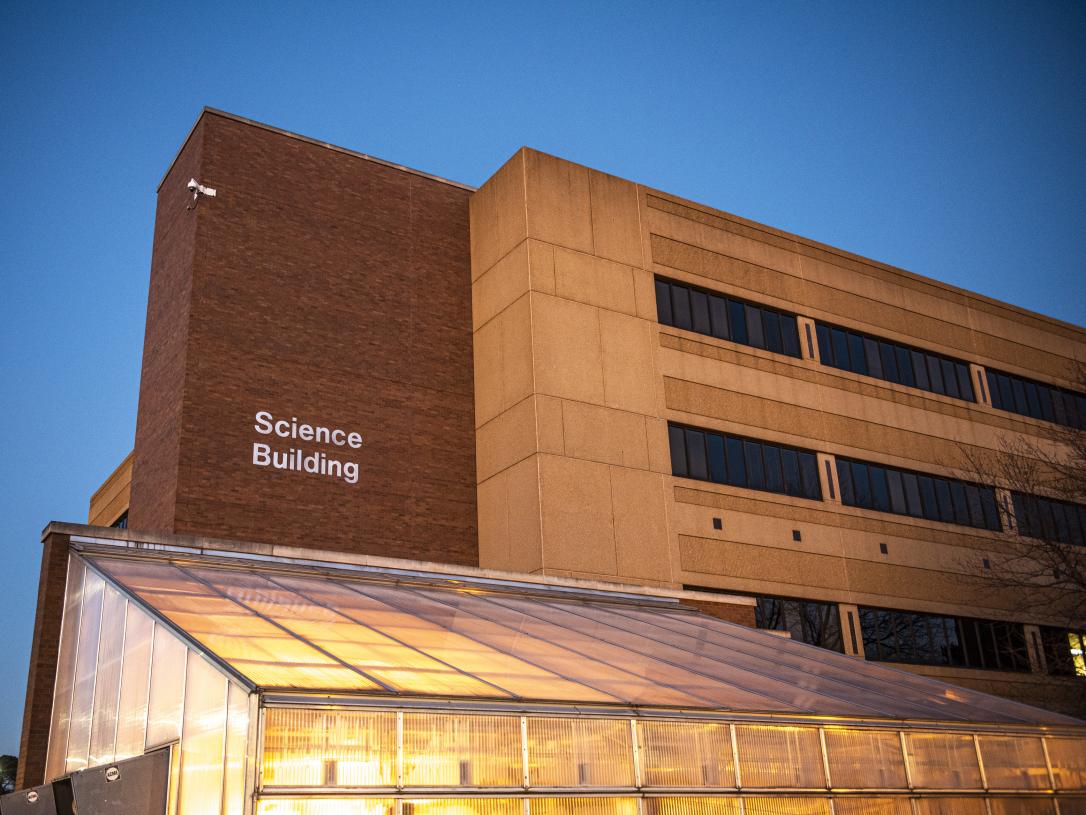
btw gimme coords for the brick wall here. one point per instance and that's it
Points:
(43, 662)
(320, 285)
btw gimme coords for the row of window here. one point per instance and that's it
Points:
(1035, 399)
(890, 361)
(806, 620)
(1044, 518)
(715, 315)
(932, 639)
(903, 492)
(911, 637)
(739, 462)
(726, 318)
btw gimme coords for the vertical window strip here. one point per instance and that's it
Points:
(717, 315)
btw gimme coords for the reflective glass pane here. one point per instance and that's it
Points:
(303, 607)
(237, 742)
(718, 315)
(463, 806)
(691, 806)
(755, 334)
(107, 683)
(865, 759)
(779, 756)
(686, 754)
(319, 748)
(943, 761)
(257, 649)
(135, 675)
(166, 693)
(1026, 806)
(663, 302)
(718, 471)
(85, 664)
(203, 739)
(737, 322)
(62, 690)
(951, 806)
(326, 806)
(872, 806)
(771, 324)
(579, 753)
(1068, 757)
(461, 751)
(786, 806)
(737, 465)
(680, 307)
(677, 443)
(695, 454)
(699, 312)
(1013, 762)
(583, 806)
(857, 357)
(774, 475)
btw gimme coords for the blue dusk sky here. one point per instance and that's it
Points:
(945, 138)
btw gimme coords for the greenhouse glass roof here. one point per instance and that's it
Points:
(289, 627)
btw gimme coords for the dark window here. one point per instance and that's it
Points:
(771, 325)
(680, 307)
(699, 312)
(897, 493)
(920, 370)
(856, 356)
(1064, 651)
(790, 335)
(717, 457)
(717, 468)
(695, 454)
(889, 362)
(793, 481)
(737, 322)
(933, 639)
(844, 478)
(806, 620)
(903, 492)
(677, 442)
(663, 303)
(825, 348)
(718, 315)
(696, 309)
(752, 451)
(122, 521)
(1036, 399)
(755, 335)
(774, 475)
(882, 359)
(1048, 519)
(874, 362)
(808, 467)
(914, 495)
(880, 491)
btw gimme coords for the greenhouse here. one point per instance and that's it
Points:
(282, 686)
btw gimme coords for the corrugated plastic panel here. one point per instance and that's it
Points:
(686, 754)
(315, 748)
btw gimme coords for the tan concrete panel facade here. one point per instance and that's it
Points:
(570, 297)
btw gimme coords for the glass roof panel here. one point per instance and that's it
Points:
(254, 647)
(900, 689)
(292, 627)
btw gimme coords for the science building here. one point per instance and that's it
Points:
(560, 496)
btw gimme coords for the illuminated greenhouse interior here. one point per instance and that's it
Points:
(313, 688)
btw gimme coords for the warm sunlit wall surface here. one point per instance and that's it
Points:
(127, 685)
